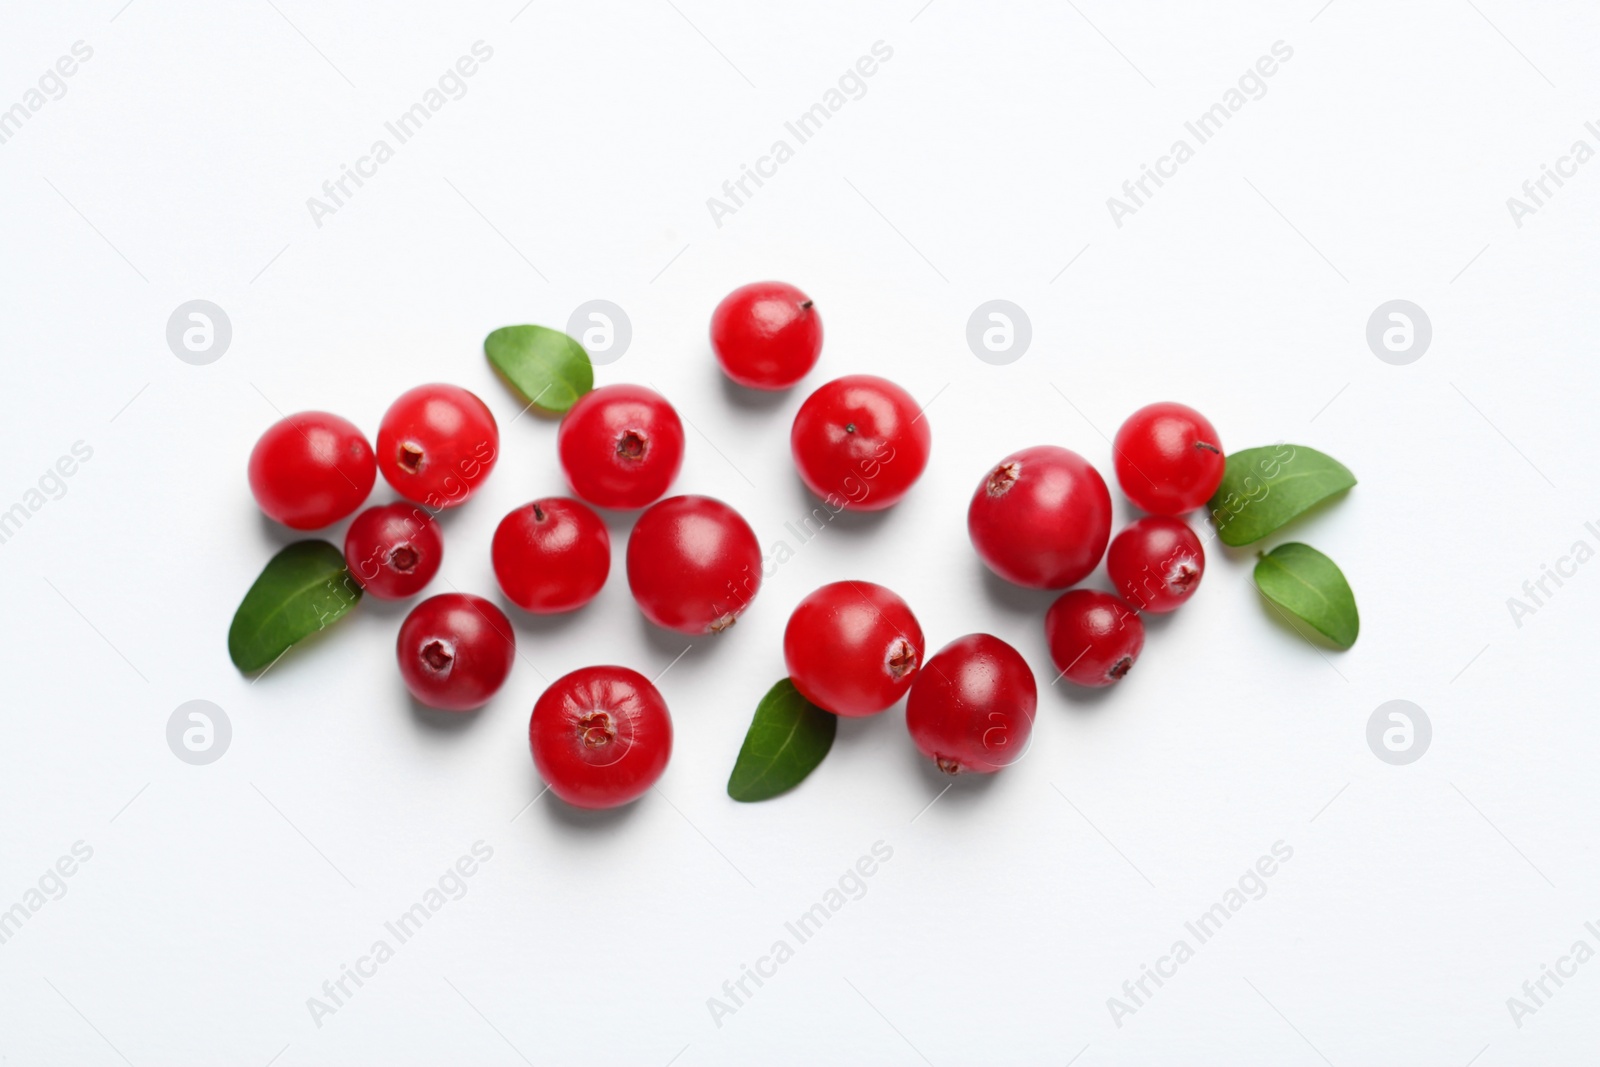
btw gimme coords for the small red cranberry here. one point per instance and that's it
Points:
(601, 736)
(1041, 518)
(311, 469)
(1094, 637)
(621, 446)
(455, 651)
(766, 335)
(971, 707)
(693, 564)
(852, 648)
(1156, 563)
(860, 442)
(551, 555)
(436, 445)
(393, 550)
(1169, 458)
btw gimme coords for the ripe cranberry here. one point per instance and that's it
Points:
(852, 648)
(551, 555)
(1156, 563)
(1094, 637)
(693, 564)
(436, 445)
(860, 442)
(601, 736)
(393, 550)
(1041, 518)
(1169, 459)
(621, 446)
(767, 335)
(971, 707)
(311, 469)
(455, 651)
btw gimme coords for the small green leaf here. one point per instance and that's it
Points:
(549, 369)
(302, 589)
(787, 739)
(1309, 585)
(1263, 488)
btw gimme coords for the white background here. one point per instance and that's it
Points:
(977, 166)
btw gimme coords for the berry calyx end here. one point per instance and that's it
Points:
(1002, 478)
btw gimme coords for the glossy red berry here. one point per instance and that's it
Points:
(393, 550)
(621, 446)
(311, 469)
(860, 442)
(455, 651)
(551, 555)
(1156, 563)
(436, 445)
(971, 707)
(766, 335)
(1169, 458)
(1041, 518)
(601, 736)
(852, 648)
(1094, 637)
(693, 564)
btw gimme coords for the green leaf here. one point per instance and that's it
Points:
(1263, 488)
(549, 369)
(1310, 586)
(787, 739)
(302, 589)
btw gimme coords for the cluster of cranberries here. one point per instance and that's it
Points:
(601, 736)
(1168, 461)
(1041, 518)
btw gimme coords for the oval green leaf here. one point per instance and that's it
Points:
(1310, 586)
(1264, 488)
(787, 739)
(549, 369)
(303, 589)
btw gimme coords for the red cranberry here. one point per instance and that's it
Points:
(551, 555)
(311, 469)
(852, 648)
(1156, 563)
(1041, 518)
(436, 445)
(621, 446)
(455, 651)
(1169, 459)
(767, 335)
(693, 564)
(860, 442)
(1094, 637)
(393, 550)
(971, 707)
(601, 736)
